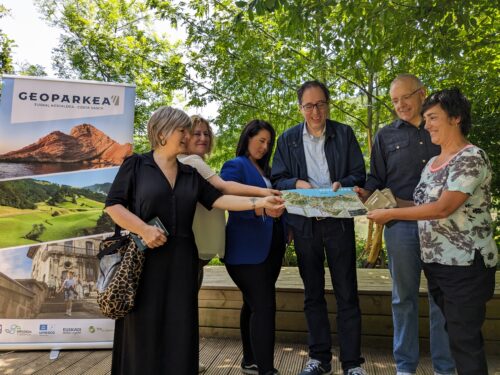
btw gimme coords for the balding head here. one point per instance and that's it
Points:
(408, 78)
(407, 95)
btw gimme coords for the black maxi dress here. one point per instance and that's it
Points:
(160, 335)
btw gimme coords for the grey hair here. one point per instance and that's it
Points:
(163, 122)
(407, 76)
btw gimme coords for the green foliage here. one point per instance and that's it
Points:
(215, 262)
(27, 69)
(290, 258)
(252, 55)
(104, 224)
(26, 193)
(114, 41)
(99, 188)
(35, 232)
(71, 220)
(23, 193)
(141, 144)
(57, 198)
(6, 45)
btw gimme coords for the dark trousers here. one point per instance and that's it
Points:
(461, 292)
(257, 318)
(335, 238)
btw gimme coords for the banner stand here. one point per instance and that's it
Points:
(54, 354)
(61, 145)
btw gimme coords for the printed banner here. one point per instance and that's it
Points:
(344, 203)
(61, 143)
(14, 331)
(35, 100)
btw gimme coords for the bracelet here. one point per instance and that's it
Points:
(253, 200)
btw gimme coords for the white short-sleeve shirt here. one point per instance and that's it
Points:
(209, 227)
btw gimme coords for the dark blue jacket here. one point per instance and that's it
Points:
(248, 237)
(343, 155)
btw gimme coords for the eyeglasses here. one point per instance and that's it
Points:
(309, 107)
(395, 101)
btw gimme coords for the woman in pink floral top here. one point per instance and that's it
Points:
(452, 201)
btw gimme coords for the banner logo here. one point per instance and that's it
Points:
(41, 100)
(13, 329)
(72, 331)
(44, 330)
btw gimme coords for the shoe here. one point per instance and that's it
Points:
(356, 371)
(404, 373)
(201, 368)
(249, 368)
(273, 372)
(315, 367)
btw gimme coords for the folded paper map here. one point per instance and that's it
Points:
(344, 203)
(381, 199)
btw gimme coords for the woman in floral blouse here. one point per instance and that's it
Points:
(452, 201)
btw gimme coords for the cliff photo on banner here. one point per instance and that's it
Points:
(61, 143)
(51, 126)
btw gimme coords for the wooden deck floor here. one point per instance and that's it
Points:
(222, 356)
(220, 303)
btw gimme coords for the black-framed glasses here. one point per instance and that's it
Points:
(395, 101)
(309, 107)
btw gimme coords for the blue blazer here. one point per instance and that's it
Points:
(248, 237)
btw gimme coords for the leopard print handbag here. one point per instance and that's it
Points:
(120, 268)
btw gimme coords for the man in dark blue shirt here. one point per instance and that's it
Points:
(400, 152)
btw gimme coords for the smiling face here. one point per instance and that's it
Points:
(259, 144)
(199, 141)
(316, 117)
(407, 99)
(176, 142)
(440, 125)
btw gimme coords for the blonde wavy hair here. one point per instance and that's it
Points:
(198, 120)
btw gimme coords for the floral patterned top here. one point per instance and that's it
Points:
(453, 240)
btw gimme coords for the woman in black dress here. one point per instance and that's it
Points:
(160, 335)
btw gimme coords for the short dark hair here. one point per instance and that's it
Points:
(309, 84)
(454, 103)
(250, 130)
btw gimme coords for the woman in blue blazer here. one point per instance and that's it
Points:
(255, 245)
